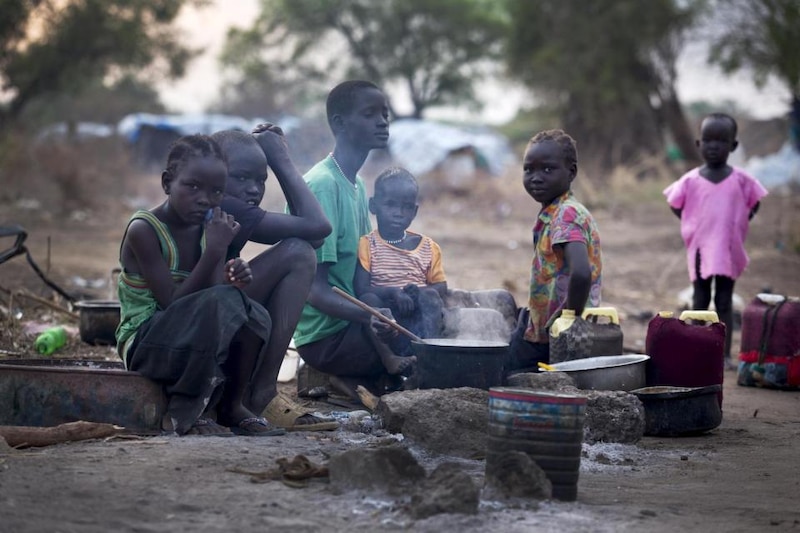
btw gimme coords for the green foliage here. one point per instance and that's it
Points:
(608, 66)
(50, 47)
(433, 48)
(763, 35)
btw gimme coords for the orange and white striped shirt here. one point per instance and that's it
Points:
(390, 266)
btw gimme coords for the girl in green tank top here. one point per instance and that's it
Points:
(185, 322)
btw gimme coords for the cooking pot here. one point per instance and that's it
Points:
(677, 411)
(611, 372)
(449, 363)
(98, 321)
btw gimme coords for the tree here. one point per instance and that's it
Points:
(96, 101)
(609, 67)
(433, 48)
(61, 46)
(763, 35)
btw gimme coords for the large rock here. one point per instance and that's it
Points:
(448, 421)
(544, 381)
(613, 416)
(392, 469)
(515, 475)
(448, 490)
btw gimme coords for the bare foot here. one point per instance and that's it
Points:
(345, 386)
(369, 400)
(397, 365)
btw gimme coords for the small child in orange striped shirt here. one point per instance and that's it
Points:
(397, 268)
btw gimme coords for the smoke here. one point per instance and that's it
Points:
(476, 324)
(488, 315)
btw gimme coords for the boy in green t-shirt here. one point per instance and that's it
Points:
(335, 336)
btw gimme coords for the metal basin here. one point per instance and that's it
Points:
(612, 372)
(48, 392)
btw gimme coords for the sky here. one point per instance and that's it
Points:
(206, 28)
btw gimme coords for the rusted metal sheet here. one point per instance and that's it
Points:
(49, 392)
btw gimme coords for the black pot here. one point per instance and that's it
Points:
(450, 363)
(679, 411)
(98, 321)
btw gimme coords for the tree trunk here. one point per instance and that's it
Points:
(675, 119)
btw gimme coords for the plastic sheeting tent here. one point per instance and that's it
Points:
(131, 126)
(420, 146)
(777, 169)
(151, 135)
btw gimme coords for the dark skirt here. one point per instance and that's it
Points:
(184, 347)
(349, 353)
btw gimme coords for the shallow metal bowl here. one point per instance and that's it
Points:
(611, 372)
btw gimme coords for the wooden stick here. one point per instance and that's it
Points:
(24, 436)
(380, 316)
(44, 302)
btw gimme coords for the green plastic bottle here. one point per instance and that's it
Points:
(50, 340)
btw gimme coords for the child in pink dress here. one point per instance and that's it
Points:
(715, 203)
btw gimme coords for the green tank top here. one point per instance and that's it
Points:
(137, 303)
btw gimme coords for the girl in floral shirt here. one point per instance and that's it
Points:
(566, 266)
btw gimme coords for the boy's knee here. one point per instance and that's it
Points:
(300, 251)
(295, 255)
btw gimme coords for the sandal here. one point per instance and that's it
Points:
(209, 429)
(256, 427)
(285, 413)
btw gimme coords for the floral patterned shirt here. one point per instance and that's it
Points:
(564, 220)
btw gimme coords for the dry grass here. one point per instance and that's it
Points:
(63, 175)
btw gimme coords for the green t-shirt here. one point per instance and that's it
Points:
(346, 207)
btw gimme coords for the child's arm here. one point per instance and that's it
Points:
(435, 276)
(142, 254)
(323, 298)
(576, 257)
(754, 211)
(362, 283)
(440, 287)
(307, 220)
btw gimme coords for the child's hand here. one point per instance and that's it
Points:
(220, 229)
(384, 331)
(404, 303)
(238, 273)
(271, 139)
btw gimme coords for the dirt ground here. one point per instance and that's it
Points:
(743, 476)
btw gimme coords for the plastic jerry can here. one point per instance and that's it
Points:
(770, 354)
(685, 353)
(589, 336)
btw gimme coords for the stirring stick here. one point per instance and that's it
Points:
(377, 314)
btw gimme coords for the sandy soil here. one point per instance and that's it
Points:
(743, 476)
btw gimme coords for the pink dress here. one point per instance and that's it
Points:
(714, 220)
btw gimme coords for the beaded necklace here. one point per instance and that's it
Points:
(335, 162)
(397, 241)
